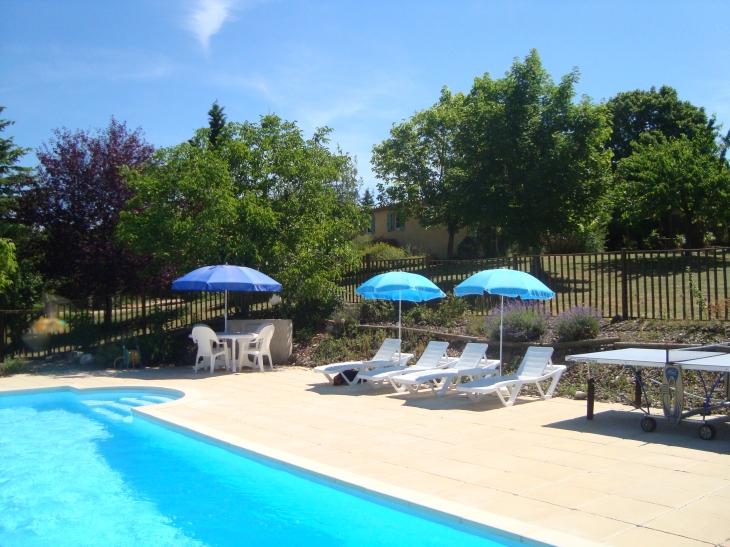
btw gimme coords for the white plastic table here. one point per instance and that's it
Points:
(240, 341)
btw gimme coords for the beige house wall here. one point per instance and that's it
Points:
(432, 241)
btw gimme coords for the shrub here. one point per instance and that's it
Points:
(383, 251)
(441, 314)
(345, 320)
(523, 322)
(450, 308)
(419, 314)
(376, 311)
(12, 366)
(581, 323)
(476, 326)
(106, 354)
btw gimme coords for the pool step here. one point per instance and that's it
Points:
(135, 401)
(121, 409)
(156, 399)
(111, 409)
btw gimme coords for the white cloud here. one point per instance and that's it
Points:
(207, 17)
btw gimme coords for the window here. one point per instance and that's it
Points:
(396, 221)
(400, 220)
(371, 228)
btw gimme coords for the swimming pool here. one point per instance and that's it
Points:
(79, 469)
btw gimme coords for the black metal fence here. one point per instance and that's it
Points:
(676, 284)
(87, 323)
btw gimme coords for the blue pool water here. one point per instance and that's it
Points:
(79, 470)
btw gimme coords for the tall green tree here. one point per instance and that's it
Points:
(421, 167)
(216, 122)
(689, 175)
(367, 199)
(536, 168)
(10, 171)
(633, 113)
(651, 119)
(263, 197)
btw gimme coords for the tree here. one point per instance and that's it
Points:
(10, 171)
(73, 206)
(535, 165)
(690, 175)
(216, 122)
(264, 197)
(634, 113)
(420, 166)
(367, 200)
(347, 184)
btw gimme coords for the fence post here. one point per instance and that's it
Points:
(144, 313)
(108, 311)
(624, 285)
(514, 262)
(3, 322)
(428, 267)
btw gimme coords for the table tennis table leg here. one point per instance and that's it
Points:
(638, 385)
(590, 399)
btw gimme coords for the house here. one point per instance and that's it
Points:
(387, 224)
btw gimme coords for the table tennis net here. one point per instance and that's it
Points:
(698, 352)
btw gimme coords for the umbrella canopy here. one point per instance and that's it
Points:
(400, 286)
(512, 283)
(504, 282)
(226, 278)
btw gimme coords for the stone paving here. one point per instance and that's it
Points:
(540, 463)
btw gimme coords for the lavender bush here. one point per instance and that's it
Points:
(581, 323)
(523, 322)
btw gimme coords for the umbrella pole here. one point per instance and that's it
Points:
(501, 323)
(225, 316)
(400, 338)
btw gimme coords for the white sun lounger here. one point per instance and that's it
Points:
(536, 367)
(434, 356)
(388, 356)
(473, 364)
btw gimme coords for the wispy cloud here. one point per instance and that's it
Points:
(207, 17)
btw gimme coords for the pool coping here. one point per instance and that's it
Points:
(468, 518)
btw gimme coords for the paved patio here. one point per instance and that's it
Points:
(561, 478)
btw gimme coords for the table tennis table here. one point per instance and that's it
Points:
(713, 359)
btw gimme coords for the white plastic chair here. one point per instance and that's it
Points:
(536, 367)
(433, 357)
(387, 357)
(259, 348)
(472, 364)
(210, 348)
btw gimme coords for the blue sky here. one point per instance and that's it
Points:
(357, 67)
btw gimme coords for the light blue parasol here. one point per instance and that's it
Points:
(504, 282)
(400, 286)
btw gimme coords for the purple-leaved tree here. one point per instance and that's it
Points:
(73, 204)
